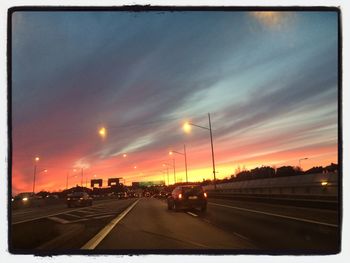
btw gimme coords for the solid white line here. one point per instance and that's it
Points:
(192, 214)
(276, 215)
(92, 243)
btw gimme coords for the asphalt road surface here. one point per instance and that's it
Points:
(146, 224)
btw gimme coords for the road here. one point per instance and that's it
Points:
(146, 224)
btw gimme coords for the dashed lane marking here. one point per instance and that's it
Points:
(59, 220)
(276, 215)
(99, 206)
(192, 214)
(72, 215)
(93, 243)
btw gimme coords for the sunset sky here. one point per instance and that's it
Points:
(268, 79)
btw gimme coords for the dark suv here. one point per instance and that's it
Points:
(79, 199)
(188, 196)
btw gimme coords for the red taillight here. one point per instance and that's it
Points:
(205, 195)
(180, 196)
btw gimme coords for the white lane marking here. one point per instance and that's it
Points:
(92, 243)
(72, 215)
(22, 212)
(59, 220)
(276, 215)
(192, 214)
(55, 214)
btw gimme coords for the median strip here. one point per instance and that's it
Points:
(276, 215)
(93, 243)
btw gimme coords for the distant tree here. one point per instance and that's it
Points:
(238, 170)
(244, 175)
(286, 171)
(315, 170)
(262, 172)
(333, 167)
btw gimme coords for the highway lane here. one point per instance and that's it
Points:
(149, 225)
(275, 227)
(250, 225)
(228, 224)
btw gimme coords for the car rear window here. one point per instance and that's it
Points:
(192, 190)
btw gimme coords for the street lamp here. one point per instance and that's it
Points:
(187, 129)
(67, 177)
(185, 155)
(37, 173)
(36, 159)
(300, 162)
(102, 132)
(173, 165)
(167, 171)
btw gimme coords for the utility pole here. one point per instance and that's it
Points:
(82, 176)
(34, 179)
(212, 151)
(174, 171)
(185, 162)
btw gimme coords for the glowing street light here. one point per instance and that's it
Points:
(187, 128)
(102, 132)
(125, 155)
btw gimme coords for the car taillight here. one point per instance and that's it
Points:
(205, 195)
(180, 196)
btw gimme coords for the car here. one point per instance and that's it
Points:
(122, 195)
(24, 197)
(188, 197)
(79, 199)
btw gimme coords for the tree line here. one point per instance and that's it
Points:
(272, 172)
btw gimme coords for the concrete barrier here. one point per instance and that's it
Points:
(303, 185)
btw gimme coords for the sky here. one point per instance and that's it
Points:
(268, 79)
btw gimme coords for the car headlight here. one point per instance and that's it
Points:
(25, 199)
(68, 199)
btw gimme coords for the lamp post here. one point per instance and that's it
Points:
(36, 159)
(82, 177)
(302, 160)
(167, 171)
(172, 165)
(187, 128)
(67, 178)
(36, 173)
(185, 155)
